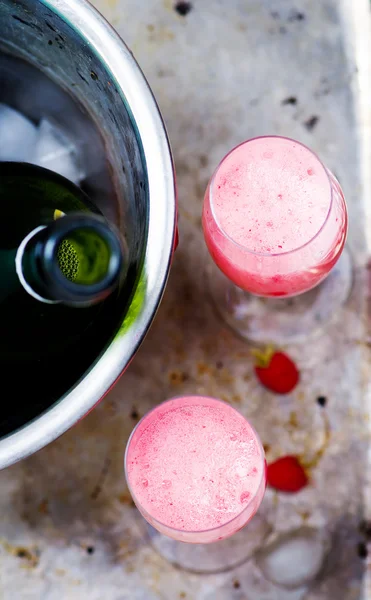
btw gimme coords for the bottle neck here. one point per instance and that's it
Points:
(76, 260)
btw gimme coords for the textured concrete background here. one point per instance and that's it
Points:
(226, 71)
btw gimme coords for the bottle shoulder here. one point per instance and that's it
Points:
(30, 196)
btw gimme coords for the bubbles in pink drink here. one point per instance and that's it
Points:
(268, 197)
(274, 218)
(206, 464)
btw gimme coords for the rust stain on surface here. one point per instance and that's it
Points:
(225, 376)
(176, 377)
(30, 555)
(309, 464)
(236, 398)
(204, 369)
(43, 507)
(293, 420)
(125, 498)
(305, 514)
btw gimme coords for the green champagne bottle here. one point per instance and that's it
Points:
(77, 260)
(61, 265)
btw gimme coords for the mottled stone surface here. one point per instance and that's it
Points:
(222, 71)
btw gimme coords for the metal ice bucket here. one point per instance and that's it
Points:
(62, 60)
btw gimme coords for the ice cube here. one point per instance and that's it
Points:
(56, 151)
(17, 135)
(294, 559)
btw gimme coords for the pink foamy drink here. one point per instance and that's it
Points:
(196, 469)
(274, 217)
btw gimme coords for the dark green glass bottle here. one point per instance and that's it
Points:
(76, 260)
(61, 265)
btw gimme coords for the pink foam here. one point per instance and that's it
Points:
(194, 466)
(271, 195)
(274, 218)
